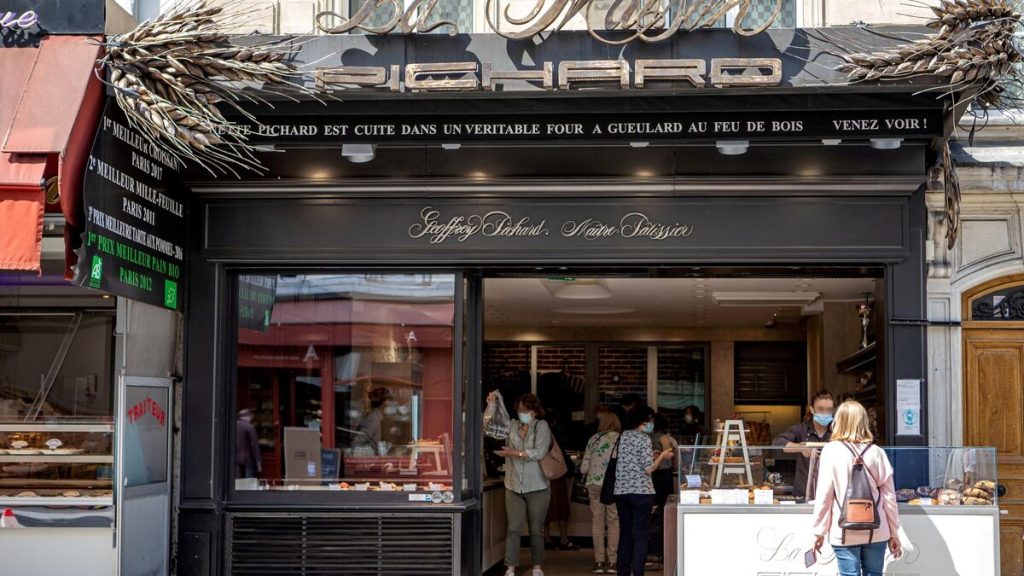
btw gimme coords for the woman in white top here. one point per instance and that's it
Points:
(858, 552)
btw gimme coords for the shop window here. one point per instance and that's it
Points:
(56, 367)
(345, 382)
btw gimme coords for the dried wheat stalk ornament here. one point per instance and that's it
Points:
(172, 74)
(975, 48)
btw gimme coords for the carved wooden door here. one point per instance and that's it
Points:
(993, 379)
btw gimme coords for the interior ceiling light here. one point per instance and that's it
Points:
(451, 146)
(639, 144)
(578, 288)
(359, 153)
(765, 298)
(886, 143)
(732, 147)
(832, 142)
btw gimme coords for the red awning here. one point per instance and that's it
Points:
(50, 102)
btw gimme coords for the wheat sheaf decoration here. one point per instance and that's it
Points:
(172, 74)
(974, 47)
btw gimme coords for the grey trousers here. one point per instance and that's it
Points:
(531, 507)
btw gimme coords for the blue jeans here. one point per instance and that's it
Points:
(634, 524)
(864, 560)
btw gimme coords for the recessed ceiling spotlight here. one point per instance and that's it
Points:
(832, 141)
(886, 143)
(359, 153)
(451, 146)
(639, 144)
(732, 147)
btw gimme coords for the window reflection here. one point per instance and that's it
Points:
(345, 381)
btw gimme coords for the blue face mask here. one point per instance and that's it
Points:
(525, 418)
(823, 419)
(649, 427)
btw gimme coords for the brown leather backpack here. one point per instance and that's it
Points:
(859, 511)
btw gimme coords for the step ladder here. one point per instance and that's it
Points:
(731, 436)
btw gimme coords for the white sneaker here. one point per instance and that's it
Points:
(537, 572)
(510, 571)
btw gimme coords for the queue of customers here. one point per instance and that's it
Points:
(628, 464)
(625, 497)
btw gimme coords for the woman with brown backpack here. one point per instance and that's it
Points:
(855, 502)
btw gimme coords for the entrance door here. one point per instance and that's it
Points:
(144, 465)
(993, 345)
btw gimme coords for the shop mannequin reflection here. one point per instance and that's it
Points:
(804, 438)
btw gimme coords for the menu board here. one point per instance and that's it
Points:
(136, 224)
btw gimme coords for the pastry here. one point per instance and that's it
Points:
(976, 493)
(972, 501)
(905, 495)
(949, 497)
(71, 494)
(26, 494)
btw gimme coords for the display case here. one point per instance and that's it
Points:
(948, 511)
(56, 463)
(921, 476)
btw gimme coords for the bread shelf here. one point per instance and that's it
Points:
(56, 459)
(57, 501)
(56, 427)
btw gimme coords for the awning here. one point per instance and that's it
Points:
(50, 102)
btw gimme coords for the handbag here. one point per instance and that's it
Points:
(553, 463)
(608, 485)
(580, 493)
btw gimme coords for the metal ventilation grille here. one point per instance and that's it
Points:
(354, 545)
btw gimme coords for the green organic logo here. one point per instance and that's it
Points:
(96, 272)
(171, 294)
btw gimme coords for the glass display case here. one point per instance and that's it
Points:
(736, 474)
(56, 463)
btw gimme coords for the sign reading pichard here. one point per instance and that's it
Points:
(136, 227)
(672, 126)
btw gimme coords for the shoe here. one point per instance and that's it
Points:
(537, 572)
(611, 568)
(598, 568)
(568, 545)
(510, 571)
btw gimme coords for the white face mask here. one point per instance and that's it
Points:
(525, 417)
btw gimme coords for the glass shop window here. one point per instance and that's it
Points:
(56, 367)
(345, 382)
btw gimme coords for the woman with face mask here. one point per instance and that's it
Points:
(815, 429)
(527, 489)
(634, 488)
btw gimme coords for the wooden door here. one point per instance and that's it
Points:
(993, 380)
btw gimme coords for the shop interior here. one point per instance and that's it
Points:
(698, 346)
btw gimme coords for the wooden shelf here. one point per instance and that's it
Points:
(57, 501)
(57, 459)
(860, 361)
(56, 427)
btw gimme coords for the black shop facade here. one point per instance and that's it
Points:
(454, 215)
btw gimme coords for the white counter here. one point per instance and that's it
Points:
(771, 541)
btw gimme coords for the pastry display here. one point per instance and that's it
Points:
(905, 495)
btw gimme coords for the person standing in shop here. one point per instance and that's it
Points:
(527, 489)
(594, 466)
(664, 486)
(815, 429)
(248, 462)
(858, 552)
(372, 425)
(634, 488)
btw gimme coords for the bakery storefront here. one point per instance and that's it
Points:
(711, 223)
